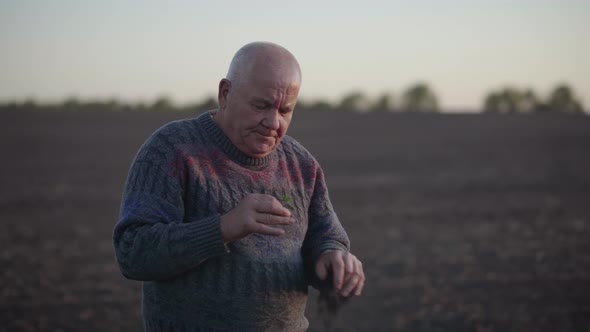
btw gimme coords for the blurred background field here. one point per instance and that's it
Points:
(462, 176)
(464, 222)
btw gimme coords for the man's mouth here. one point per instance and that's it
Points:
(267, 135)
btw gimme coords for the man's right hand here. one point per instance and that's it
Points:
(256, 213)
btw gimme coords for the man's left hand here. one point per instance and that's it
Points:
(346, 269)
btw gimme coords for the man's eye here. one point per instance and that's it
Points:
(261, 106)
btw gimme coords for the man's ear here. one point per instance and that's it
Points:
(223, 91)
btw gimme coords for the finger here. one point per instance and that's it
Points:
(271, 219)
(361, 284)
(349, 260)
(321, 270)
(269, 204)
(268, 230)
(338, 271)
(350, 284)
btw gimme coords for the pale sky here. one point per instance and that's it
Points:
(139, 50)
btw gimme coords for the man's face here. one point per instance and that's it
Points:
(256, 113)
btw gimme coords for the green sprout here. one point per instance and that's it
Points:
(287, 201)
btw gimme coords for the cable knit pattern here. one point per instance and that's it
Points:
(184, 177)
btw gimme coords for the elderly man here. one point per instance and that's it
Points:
(226, 219)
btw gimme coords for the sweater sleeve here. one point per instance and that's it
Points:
(152, 239)
(325, 232)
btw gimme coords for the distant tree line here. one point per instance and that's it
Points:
(162, 103)
(511, 100)
(417, 98)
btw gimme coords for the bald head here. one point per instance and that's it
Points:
(263, 56)
(258, 97)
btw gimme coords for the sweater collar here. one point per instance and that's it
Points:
(225, 144)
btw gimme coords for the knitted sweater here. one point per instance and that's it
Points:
(184, 177)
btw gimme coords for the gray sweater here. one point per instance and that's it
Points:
(184, 177)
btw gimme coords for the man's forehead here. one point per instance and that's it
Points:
(274, 70)
(275, 79)
(274, 97)
(269, 85)
(287, 89)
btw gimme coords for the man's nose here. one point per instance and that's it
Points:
(271, 120)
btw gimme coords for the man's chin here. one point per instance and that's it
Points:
(261, 152)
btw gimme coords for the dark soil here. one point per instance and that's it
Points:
(463, 222)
